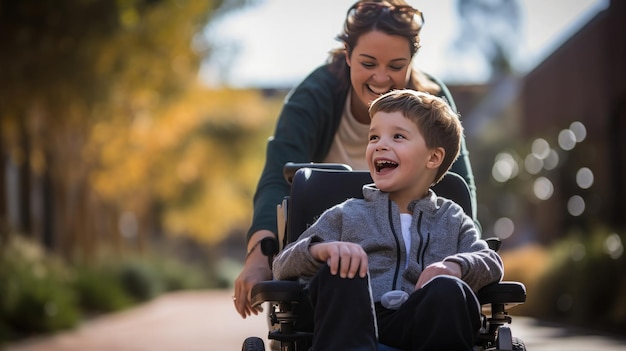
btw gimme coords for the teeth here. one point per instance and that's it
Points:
(384, 164)
(378, 91)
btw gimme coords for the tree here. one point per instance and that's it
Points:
(491, 27)
(78, 78)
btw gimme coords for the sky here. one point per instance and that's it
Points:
(276, 43)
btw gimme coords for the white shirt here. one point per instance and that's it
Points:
(405, 220)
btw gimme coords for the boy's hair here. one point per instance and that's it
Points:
(438, 123)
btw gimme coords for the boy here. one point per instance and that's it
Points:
(401, 264)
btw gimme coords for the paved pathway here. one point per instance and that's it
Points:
(207, 321)
(541, 336)
(183, 321)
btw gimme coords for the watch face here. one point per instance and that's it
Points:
(269, 246)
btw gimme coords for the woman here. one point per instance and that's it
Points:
(325, 118)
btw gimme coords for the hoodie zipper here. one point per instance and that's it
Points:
(419, 235)
(421, 251)
(398, 251)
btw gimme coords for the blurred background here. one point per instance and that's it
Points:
(133, 134)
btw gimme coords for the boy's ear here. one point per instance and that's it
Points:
(436, 157)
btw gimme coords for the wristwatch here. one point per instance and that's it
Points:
(269, 248)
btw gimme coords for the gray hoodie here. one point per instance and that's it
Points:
(440, 231)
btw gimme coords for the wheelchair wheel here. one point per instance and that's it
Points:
(506, 341)
(518, 345)
(253, 343)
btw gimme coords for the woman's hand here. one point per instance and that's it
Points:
(255, 269)
(344, 258)
(436, 269)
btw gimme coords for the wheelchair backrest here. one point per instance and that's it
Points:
(315, 190)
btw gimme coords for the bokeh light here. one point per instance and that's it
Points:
(503, 227)
(533, 164)
(505, 167)
(613, 246)
(543, 188)
(552, 161)
(579, 130)
(540, 148)
(567, 139)
(584, 178)
(576, 205)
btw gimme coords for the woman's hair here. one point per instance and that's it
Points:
(356, 25)
(437, 122)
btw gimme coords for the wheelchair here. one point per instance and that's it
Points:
(316, 187)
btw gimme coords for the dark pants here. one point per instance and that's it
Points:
(444, 315)
(343, 313)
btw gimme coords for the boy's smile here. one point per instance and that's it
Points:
(384, 165)
(398, 158)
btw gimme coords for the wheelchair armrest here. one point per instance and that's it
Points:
(507, 293)
(276, 291)
(291, 168)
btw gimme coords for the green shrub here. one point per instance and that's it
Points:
(36, 295)
(140, 280)
(177, 275)
(99, 289)
(40, 293)
(585, 283)
(110, 282)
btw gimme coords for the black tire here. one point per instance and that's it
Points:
(504, 340)
(518, 344)
(253, 343)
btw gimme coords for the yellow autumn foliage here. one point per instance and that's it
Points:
(199, 158)
(103, 121)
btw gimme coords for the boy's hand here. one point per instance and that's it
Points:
(346, 258)
(438, 268)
